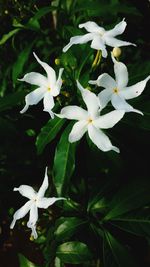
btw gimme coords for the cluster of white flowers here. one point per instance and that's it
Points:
(90, 120)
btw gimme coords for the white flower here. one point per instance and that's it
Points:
(48, 87)
(36, 200)
(90, 121)
(116, 90)
(99, 37)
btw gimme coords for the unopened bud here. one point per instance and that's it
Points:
(31, 238)
(57, 61)
(116, 52)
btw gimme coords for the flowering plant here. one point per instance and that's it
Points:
(101, 205)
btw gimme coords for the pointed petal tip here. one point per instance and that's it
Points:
(16, 189)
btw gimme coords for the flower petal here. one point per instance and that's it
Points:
(104, 97)
(91, 101)
(114, 42)
(98, 44)
(33, 217)
(118, 29)
(79, 39)
(35, 78)
(26, 191)
(121, 73)
(78, 131)
(56, 89)
(74, 113)
(134, 90)
(20, 213)
(45, 202)
(33, 98)
(109, 120)
(48, 103)
(104, 80)
(92, 27)
(44, 186)
(119, 103)
(51, 75)
(100, 139)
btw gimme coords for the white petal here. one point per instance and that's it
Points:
(134, 90)
(34, 232)
(26, 191)
(119, 103)
(100, 139)
(91, 26)
(74, 113)
(98, 44)
(45, 202)
(109, 120)
(20, 213)
(91, 101)
(51, 75)
(104, 97)
(33, 98)
(35, 78)
(121, 73)
(48, 103)
(114, 42)
(33, 217)
(79, 39)
(56, 90)
(78, 131)
(105, 80)
(44, 186)
(118, 29)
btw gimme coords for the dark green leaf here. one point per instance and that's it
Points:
(73, 252)
(131, 197)
(24, 262)
(64, 162)
(11, 100)
(48, 133)
(7, 36)
(67, 227)
(120, 253)
(20, 62)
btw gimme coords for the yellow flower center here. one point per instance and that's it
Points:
(116, 90)
(49, 89)
(90, 120)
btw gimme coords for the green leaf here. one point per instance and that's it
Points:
(11, 100)
(48, 133)
(131, 197)
(120, 253)
(67, 227)
(24, 262)
(136, 223)
(20, 62)
(7, 36)
(73, 252)
(64, 162)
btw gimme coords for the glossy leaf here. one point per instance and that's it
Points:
(67, 227)
(73, 252)
(64, 162)
(48, 133)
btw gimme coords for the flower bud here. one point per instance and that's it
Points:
(57, 61)
(116, 52)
